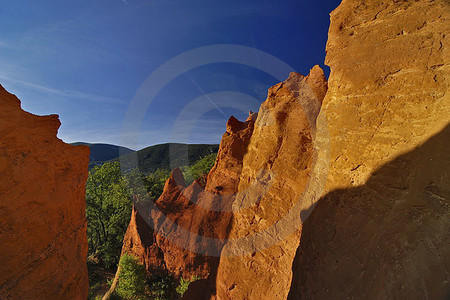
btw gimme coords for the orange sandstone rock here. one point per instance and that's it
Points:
(43, 244)
(372, 170)
(265, 229)
(182, 232)
(262, 169)
(381, 226)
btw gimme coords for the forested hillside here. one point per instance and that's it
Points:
(165, 156)
(101, 153)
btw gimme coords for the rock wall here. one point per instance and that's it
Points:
(43, 244)
(388, 87)
(354, 204)
(386, 239)
(183, 231)
(252, 194)
(265, 229)
(381, 227)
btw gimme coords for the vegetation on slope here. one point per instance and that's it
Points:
(109, 197)
(165, 156)
(135, 283)
(101, 153)
(108, 209)
(199, 168)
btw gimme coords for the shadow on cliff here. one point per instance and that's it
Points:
(386, 239)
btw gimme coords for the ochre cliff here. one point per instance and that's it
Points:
(388, 87)
(267, 158)
(265, 229)
(381, 228)
(334, 190)
(43, 244)
(183, 231)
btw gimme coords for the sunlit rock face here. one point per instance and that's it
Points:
(381, 227)
(334, 190)
(43, 243)
(388, 87)
(268, 157)
(183, 231)
(265, 228)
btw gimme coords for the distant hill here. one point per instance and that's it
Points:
(166, 156)
(101, 153)
(163, 156)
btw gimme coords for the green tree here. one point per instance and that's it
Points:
(200, 168)
(108, 210)
(147, 187)
(137, 182)
(132, 279)
(154, 182)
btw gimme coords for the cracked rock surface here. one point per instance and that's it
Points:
(381, 228)
(43, 243)
(265, 228)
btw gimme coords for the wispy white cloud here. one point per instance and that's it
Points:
(61, 93)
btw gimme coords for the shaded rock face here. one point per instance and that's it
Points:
(43, 244)
(265, 229)
(182, 232)
(386, 239)
(381, 227)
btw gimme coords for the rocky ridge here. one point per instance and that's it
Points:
(182, 233)
(43, 245)
(382, 220)
(266, 225)
(352, 204)
(185, 231)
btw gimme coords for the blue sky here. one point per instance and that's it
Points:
(88, 60)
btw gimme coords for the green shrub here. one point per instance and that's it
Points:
(199, 168)
(184, 285)
(154, 182)
(162, 288)
(132, 279)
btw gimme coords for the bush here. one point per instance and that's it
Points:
(184, 285)
(162, 288)
(132, 278)
(134, 282)
(154, 182)
(199, 168)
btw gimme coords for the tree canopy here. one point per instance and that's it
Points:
(108, 211)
